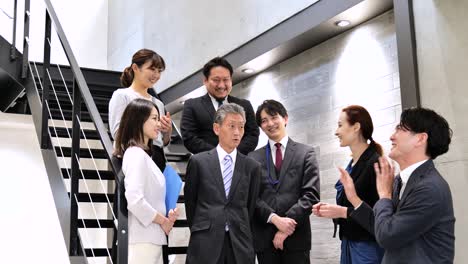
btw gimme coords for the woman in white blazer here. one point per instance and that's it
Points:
(145, 186)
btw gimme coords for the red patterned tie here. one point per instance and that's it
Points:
(279, 157)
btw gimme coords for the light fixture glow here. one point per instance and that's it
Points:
(342, 23)
(247, 70)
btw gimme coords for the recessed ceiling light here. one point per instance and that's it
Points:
(182, 102)
(248, 70)
(342, 23)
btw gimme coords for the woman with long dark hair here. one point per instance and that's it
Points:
(139, 78)
(356, 222)
(145, 185)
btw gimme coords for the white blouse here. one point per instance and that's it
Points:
(145, 191)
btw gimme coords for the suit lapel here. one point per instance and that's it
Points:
(218, 175)
(414, 178)
(237, 175)
(206, 100)
(288, 157)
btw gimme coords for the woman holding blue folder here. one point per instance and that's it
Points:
(145, 184)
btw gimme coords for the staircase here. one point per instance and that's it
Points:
(69, 105)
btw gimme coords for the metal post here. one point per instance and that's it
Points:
(13, 44)
(122, 216)
(75, 245)
(24, 66)
(45, 140)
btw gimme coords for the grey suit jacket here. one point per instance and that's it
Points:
(298, 189)
(208, 210)
(421, 228)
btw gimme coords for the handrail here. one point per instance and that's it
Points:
(100, 128)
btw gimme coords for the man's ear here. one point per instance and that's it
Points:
(216, 128)
(285, 120)
(205, 81)
(422, 138)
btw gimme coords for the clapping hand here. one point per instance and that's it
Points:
(350, 190)
(385, 176)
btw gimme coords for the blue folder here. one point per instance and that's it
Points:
(173, 186)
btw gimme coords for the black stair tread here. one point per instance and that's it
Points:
(62, 132)
(96, 197)
(98, 252)
(176, 250)
(93, 223)
(84, 153)
(68, 115)
(181, 223)
(91, 174)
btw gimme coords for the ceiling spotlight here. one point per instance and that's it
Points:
(342, 23)
(182, 102)
(248, 70)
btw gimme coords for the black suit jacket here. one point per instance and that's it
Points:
(360, 222)
(197, 120)
(208, 210)
(421, 228)
(293, 196)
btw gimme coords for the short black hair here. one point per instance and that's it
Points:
(271, 107)
(424, 120)
(215, 62)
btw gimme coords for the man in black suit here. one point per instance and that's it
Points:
(290, 186)
(197, 118)
(414, 220)
(221, 189)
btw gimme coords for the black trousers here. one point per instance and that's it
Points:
(275, 256)
(227, 253)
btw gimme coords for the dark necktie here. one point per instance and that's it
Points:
(220, 102)
(279, 157)
(397, 184)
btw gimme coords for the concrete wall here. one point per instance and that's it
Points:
(442, 51)
(84, 23)
(189, 33)
(30, 226)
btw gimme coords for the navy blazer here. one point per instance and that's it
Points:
(197, 121)
(421, 228)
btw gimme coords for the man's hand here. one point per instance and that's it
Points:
(349, 188)
(326, 210)
(284, 224)
(385, 177)
(278, 240)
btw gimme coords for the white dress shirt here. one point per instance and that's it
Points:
(215, 102)
(284, 143)
(145, 191)
(406, 173)
(222, 154)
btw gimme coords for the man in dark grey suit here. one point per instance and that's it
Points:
(414, 219)
(196, 124)
(290, 186)
(220, 195)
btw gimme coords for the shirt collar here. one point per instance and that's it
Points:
(215, 101)
(283, 141)
(406, 173)
(222, 153)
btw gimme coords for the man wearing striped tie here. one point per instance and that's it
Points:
(220, 191)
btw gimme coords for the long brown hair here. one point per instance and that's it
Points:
(139, 58)
(130, 132)
(358, 114)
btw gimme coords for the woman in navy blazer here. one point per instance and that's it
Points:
(356, 222)
(145, 185)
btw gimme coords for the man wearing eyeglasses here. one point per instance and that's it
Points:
(198, 114)
(289, 187)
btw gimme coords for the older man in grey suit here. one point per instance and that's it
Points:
(414, 219)
(220, 196)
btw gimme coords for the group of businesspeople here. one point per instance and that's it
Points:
(243, 203)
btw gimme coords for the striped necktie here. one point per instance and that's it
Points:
(227, 173)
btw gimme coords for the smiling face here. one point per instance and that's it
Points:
(230, 132)
(273, 126)
(404, 144)
(151, 126)
(346, 133)
(219, 82)
(146, 75)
